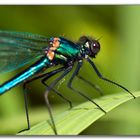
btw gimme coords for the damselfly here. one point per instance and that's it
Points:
(18, 49)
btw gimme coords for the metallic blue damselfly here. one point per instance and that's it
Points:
(18, 49)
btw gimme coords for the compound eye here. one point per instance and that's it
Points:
(96, 45)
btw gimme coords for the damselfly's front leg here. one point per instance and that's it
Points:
(105, 79)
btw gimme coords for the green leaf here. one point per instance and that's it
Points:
(75, 120)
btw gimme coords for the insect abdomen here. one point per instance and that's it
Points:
(37, 67)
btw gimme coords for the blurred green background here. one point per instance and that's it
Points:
(119, 27)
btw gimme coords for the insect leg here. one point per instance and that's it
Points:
(105, 79)
(76, 91)
(65, 99)
(26, 110)
(96, 87)
(48, 75)
(66, 71)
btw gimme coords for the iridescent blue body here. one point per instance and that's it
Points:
(58, 51)
(32, 70)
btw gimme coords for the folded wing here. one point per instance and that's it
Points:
(18, 49)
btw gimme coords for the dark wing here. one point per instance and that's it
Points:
(18, 49)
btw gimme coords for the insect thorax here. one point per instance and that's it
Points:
(62, 50)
